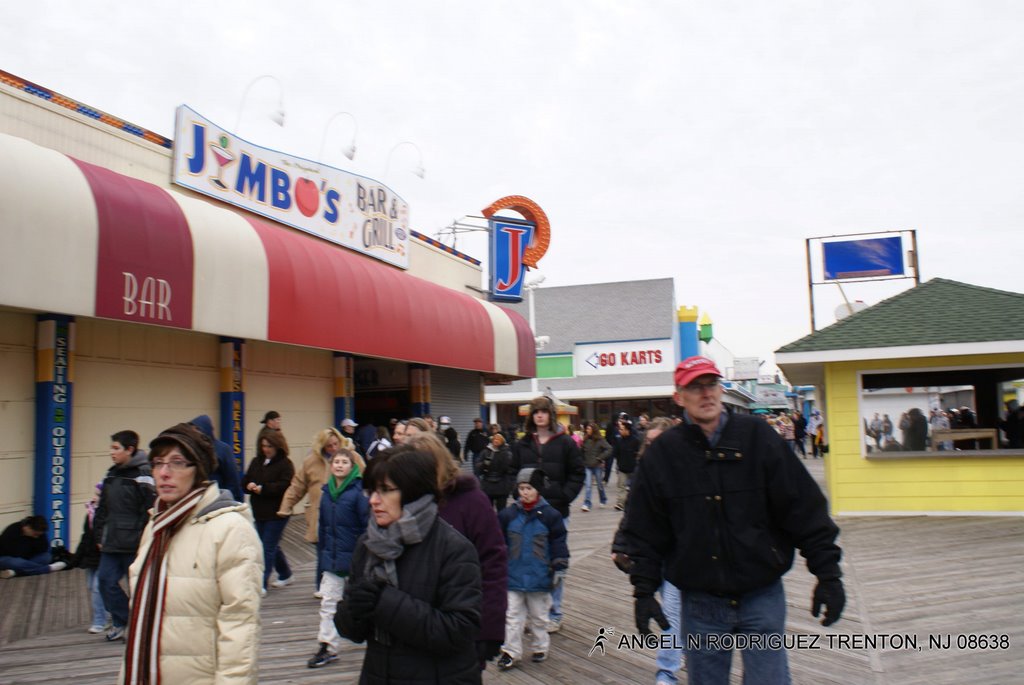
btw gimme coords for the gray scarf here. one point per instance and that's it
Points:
(387, 544)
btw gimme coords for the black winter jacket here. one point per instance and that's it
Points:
(725, 519)
(560, 460)
(625, 451)
(422, 631)
(86, 554)
(14, 543)
(274, 478)
(128, 493)
(493, 468)
(476, 441)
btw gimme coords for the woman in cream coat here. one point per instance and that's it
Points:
(195, 584)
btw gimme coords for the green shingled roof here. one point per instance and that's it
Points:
(937, 312)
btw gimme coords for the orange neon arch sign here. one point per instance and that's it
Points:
(532, 212)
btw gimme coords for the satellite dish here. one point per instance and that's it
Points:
(845, 309)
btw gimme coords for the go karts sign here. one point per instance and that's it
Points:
(337, 205)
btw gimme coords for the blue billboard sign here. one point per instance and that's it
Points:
(509, 240)
(868, 258)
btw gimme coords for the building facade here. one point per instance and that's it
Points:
(607, 348)
(129, 303)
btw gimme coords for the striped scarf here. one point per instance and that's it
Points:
(142, 651)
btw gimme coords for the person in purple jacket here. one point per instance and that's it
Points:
(468, 510)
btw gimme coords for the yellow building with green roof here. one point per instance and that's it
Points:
(914, 359)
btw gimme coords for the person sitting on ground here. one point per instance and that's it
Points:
(24, 549)
(538, 557)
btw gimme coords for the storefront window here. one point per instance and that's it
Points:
(975, 409)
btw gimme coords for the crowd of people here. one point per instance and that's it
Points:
(443, 555)
(917, 431)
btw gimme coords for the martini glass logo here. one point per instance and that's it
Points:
(223, 156)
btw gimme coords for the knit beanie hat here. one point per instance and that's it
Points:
(535, 477)
(195, 446)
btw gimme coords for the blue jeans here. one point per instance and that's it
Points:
(670, 659)
(37, 565)
(100, 615)
(706, 619)
(555, 613)
(595, 474)
(270, 533)
(114, 567)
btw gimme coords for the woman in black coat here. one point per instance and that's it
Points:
(269, 475)
(492, 467)
(414, 591)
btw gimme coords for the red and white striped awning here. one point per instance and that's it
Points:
(83, 240)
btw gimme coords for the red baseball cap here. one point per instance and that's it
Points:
(694, 367)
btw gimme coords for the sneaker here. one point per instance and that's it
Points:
(619, 507)
(282, 582)
(263, 592)
(7, 573)
(318, 594)
(539, 657)
(585, 507)
(58, 566)
(323, 657)
(554, 625)
(602, 504)
(505, 661)
(116, 633)
(96, 630)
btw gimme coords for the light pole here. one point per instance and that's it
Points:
(278, 115)
(419, 170)
(349, 151)
(539, 341)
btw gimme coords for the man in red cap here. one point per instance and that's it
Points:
(717, 508)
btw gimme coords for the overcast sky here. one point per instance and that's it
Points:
(699, 140)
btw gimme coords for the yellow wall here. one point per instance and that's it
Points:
(859, 485)
(145, 378)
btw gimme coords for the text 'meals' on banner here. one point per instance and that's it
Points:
(871, 257)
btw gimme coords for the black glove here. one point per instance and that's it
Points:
(831, 594)
(363, 598)
(645, 608)
(487, 649)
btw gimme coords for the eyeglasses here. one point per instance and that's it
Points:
(173, 465)
(381, 490)
(699, 388)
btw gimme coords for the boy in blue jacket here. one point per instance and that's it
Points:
(538, 557)
(344, 512)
